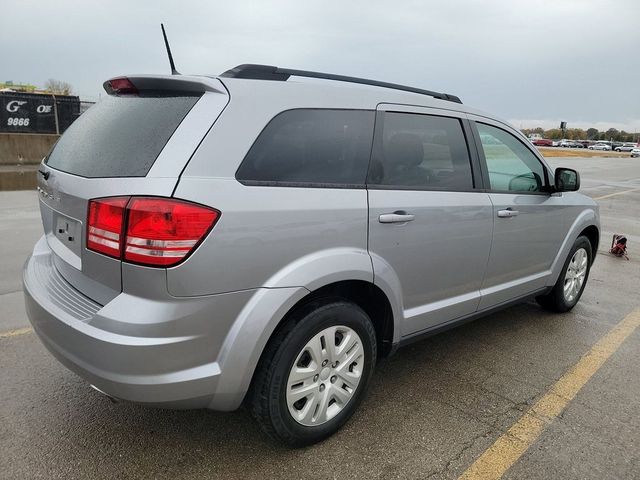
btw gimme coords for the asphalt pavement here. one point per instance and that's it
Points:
(434, 409)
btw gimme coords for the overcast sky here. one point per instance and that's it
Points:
(532, 62)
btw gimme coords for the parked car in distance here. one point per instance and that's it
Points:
(600, 146)
(211, 242)
(542, 142)
(570, 144)
(635, 152)
(626, 147)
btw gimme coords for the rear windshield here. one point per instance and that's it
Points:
(119, 136)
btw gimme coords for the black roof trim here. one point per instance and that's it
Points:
(270, 72)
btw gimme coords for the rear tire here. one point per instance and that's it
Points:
(301, 393)
(572, 280)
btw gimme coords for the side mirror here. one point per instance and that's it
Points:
(566, 180)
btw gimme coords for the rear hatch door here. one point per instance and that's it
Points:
(132, 143)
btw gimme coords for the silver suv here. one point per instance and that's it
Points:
(259, 239)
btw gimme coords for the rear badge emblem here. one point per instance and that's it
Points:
(50, 196)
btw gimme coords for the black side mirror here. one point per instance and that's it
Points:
(566, 180)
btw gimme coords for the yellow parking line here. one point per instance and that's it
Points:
(16, 332)
(617, 193)
(509, 447)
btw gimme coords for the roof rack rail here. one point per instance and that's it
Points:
(270, 72)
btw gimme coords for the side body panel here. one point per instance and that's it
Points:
(265, 234)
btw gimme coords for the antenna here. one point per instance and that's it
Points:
(166, 43)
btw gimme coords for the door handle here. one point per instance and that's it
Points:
(508, 213)
(399, 216)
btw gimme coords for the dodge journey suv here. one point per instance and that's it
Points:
(262, 238)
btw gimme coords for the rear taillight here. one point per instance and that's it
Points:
(105, 225)
(152, 231)
(162, 231)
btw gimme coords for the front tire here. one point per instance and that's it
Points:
(314, 372)
(572, 280)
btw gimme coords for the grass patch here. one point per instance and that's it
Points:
(579, 152)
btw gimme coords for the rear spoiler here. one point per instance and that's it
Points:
(162, 84)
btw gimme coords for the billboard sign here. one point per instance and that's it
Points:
(35, 113)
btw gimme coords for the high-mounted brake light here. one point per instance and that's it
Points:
(159, 232)
(120, 86)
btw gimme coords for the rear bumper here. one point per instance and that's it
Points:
(162, 352)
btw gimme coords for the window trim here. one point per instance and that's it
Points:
(288, 184)
(485, 169)
(476, 185)
(280, 183)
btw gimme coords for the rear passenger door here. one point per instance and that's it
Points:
(429, 226)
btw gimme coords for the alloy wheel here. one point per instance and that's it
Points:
(576, 273)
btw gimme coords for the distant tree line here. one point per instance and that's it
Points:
(58, 87)
(588, 134)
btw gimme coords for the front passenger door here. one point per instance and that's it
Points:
(529, 222)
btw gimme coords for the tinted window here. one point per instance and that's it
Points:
(119, 136)
(421, 151)
(511, 165)
(312, 146)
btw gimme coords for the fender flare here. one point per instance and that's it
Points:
(587, 218)
(387, 280)
(266, 309)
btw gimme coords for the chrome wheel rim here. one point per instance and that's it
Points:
(325, 375)
(576, 273)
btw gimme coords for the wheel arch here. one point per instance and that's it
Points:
(369, 297)
(593, 235)
(366, 295)
(587, 224)
(343, 273)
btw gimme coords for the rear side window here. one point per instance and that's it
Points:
(421, 152)
(119, 136)
(311, 147)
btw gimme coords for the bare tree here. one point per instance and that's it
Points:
(58, 87)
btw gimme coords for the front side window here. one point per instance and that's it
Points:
(313, 147)
(512, 167)
(421, 152)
